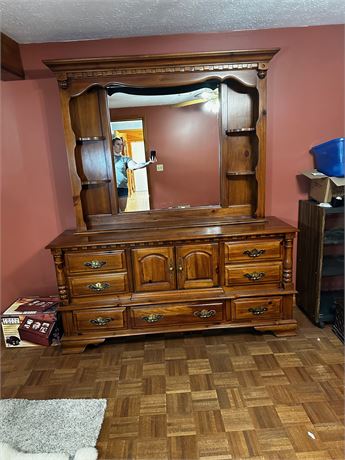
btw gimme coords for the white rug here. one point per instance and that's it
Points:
(61, 426)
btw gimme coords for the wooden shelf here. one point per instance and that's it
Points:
(90, 139)
(239, 173)
(95, 182)
(239, 131)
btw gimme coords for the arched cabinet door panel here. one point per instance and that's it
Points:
(197, 266)
(154, 269)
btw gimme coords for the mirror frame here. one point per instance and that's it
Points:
(249, 67)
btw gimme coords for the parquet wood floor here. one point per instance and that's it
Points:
(208, 396)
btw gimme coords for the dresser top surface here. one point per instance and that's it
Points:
(268, 226)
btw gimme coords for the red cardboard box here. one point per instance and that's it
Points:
(37, 329)
(11, 320)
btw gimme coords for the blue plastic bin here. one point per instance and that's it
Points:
(329, 157)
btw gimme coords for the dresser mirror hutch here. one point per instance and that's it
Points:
(202, 255)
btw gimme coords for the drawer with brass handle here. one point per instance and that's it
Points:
(88, 285)
(252, 251)
(253, 275)
(100, 319)
(256, 309)
(177, 314)
(95, 261)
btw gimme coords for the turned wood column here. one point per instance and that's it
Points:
(287, 262)
(60, 276)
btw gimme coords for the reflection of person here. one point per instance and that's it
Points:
(122, 163)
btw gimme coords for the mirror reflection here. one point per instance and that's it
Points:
(165, 146)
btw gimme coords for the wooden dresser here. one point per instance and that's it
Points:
(164, 280)
(218, 263)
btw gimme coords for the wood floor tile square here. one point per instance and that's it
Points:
(154, 356)
(330, 432)
(320, 373)
(264, 417)
(176, 367)
(154, 384)
(256, 396)
(220, 362)
(153, 404)
(320, 412)
(225, 379)
(153, 369)
(207, 422)
(249, 378)
(149, 449)
(131, 370)
(152, 426)
(130, 388)
(292, 414)
(307, 392)
(215, 447)
(201, 382)
(243, 363)
(120, 449)
(183, 447)
(205, 400)
(304, 438)
(127, 406)
(179, 403)
(297, 375)
(180, 425)
(237, 420)
(199, 366)
(243, 444)
(124, 427)
(178, 384)
(274, 440)
(258, 348)
(274, 377)
(175, 353)
(288, 360)
(266, 362)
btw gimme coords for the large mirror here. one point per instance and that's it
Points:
(166, 146)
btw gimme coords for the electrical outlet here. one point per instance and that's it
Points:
(160, 167)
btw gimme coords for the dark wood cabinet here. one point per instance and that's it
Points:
(320, 260)
(224, 265)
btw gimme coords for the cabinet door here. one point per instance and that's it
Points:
(154, 269)
(197, 266)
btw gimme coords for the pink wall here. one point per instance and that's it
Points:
(186, 140)
(305, 107)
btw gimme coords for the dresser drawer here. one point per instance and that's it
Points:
(257, 309)
(111, 283)
(100, 261)
(181, 314)
(100, 320)
(253, 274)
(253, 250)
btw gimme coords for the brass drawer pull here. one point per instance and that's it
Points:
(205, 313)
(254, 252)
(100, 321)
(99, 286)
(255, 276)
(171, 268)
(152, 318)
(95, 264)
(258, 310)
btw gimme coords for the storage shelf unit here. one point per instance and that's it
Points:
(320, 260)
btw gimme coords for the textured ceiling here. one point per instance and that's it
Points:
(37, 21)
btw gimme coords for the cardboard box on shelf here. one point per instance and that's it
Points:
(323, 188)
(12, 318)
